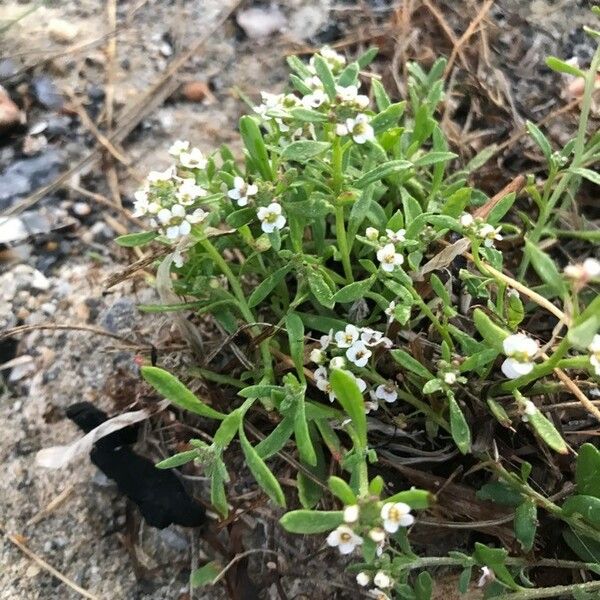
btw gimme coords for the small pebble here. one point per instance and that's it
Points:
(62, 31)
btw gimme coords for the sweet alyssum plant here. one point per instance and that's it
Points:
(360, 271)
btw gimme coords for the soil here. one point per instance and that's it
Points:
(57, 275)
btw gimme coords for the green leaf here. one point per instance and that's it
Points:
(295, 64)
(255, 145)
(265, 479)
(432, 158)
(367, 57)
(381, 96)
(302, 435)
(587, 473)
(478, 360)
(499, 413)
(277, 439)
(308, 116)
(586, 506)
(218, 497)
(560, 66)
(241, 217)
(174, 391)
(526, 524)
(545, 268)
(461, 434)
(494, 558)
(349, 396)
(588, 174)
(341, 490)
(310, 492)
(540, 139)
(295, 331)
(324, 73)
(582, 334)
(177, 460)
(388, 117)
(501, 208)
(586, 548)
(489, 331)
(320, 289)
(267, 286)
(404, 359)
(227, 429)
(382, 171)
(500, 493)
(311, 521)
(416, 499)
(349, 75)
(423, 586)
(136, 239)
(205, 575)
(304, 150)
(353, 291)
(546, 430)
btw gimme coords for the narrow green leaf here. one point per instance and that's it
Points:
(587, 474)
(461, 434)
(308, 116)
(311, 521)
(501, 208)
(325, 75)
(545, 268)
(349, 396)
(561, 66)
(478, 360)
(177, 459)
(277, 439)
(382, 171)
(320, 289)
(494, 558)
(540, 139)
(302, 435)
(353, 291)
(489, 331)
(341, 490)
(265, 479)
(381, 97)
(588, 174)
(267, 286)
(367, 57)
(295, 331)
(349, 75)
(205, 575)
(404, 359)
(241, 217)
(304, 150)
(388, 117)
(586, 506)
(526, 524)
(131, 240)
(546, 430)
(432, 158)
(416, 499)
(255, 145)
(174, 391)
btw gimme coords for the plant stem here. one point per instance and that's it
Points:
(436, 322)
(340, 232)
(551, 592)
(243, 305)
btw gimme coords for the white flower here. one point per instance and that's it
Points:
(386, 392)
(371, 405)
(361, 383)
(193, 159)
(141, 203)
(350, 95)
(325, 340)
(521, 350)
(337, 362)
(324, 385)
(389, 258)
(489, 233)
(377, 535)
(358, 354)
(396, 236)
(320, 373)
(363, 579)
(371, 337)
(177, 223)
(450, 377)
(351, 513)
(396, 515)
(271, 217)
(372, 234)
(241, 191)
(389, 311)
(159, 176)
(382, 580)
(487, 575)
(583, 272)
(313, 82)
(344, 538)
(334, 59)
(178, 259)
(178, 147)
(314, 100)
(189, 191)
(317, 355)
(345, 339)
(358, 128)
(594, 349)
(529, 408)
(466, 220)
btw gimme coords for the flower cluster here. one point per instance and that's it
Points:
(581, 273)
(521, 351)
(169, 198)
(351, 347)
(387, 520)
(388, 255)
(480, 229)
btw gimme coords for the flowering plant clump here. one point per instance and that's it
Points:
(354, 270)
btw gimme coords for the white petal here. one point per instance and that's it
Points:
(279, 222)
(252, 190)
(513, 368)
(178, 211)
(391, 526)
(164, 215)
(172, 232)
(234, 194)
(406, 520)
(267, 227)
(333, 539)
(185, 228)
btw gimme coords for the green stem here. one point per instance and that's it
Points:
(217, 377)
(436, 322)
(552, 592)
(342, 240)
(238, 292)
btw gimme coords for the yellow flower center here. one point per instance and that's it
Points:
(345, 537)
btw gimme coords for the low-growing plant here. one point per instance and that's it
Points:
(361, 276)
